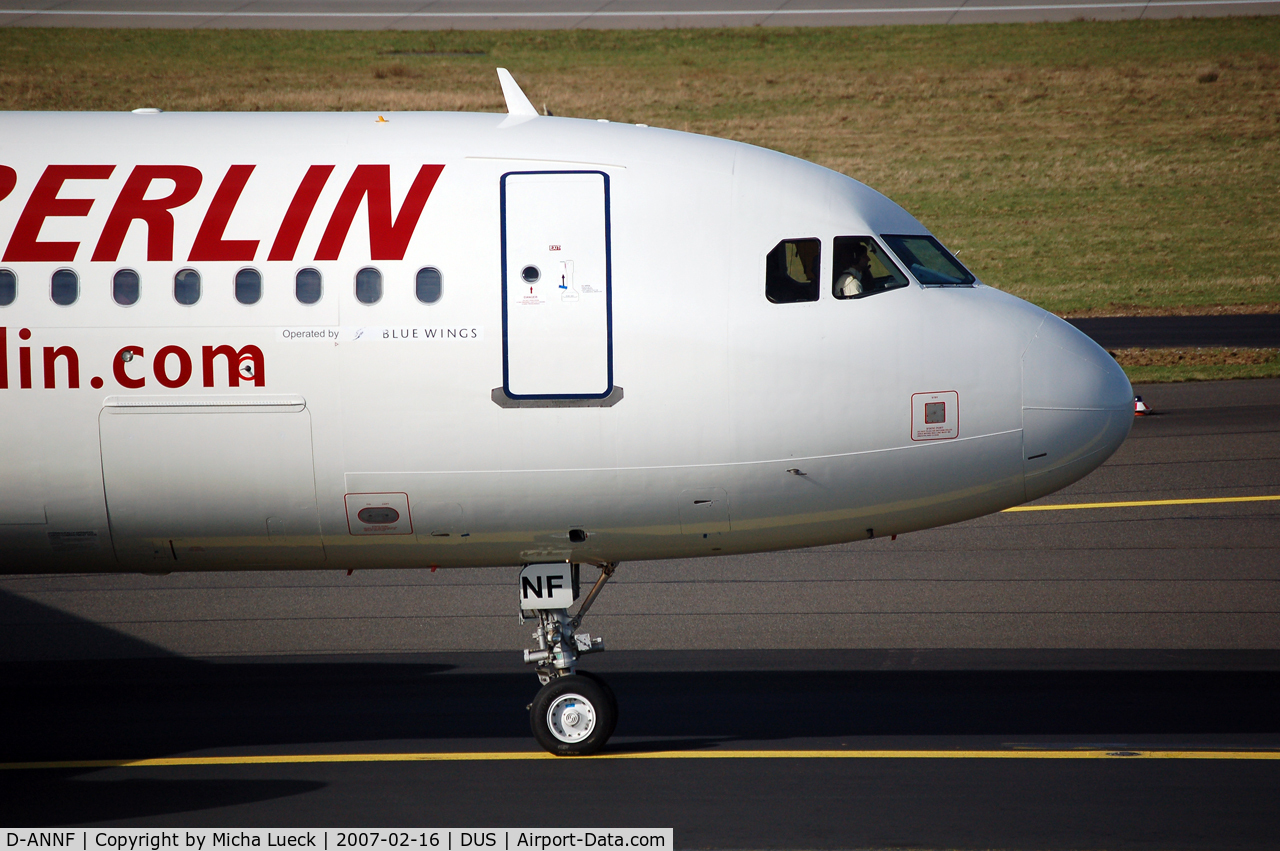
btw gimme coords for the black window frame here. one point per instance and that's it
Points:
(889, 238)
(780, 287)
(886, 258)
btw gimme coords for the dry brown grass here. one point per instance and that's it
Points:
(1178, 310)
(1151, 366)
(1194, 357)
(1095, 168)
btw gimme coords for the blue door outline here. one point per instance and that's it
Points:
(608, 292)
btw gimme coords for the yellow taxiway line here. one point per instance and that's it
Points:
(510, 756)
(504, 756)
(1142, 502)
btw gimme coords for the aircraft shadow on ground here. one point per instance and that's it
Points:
(31, 631)
(148, 703)
(115, 709)
(44, 798)
(76, 702)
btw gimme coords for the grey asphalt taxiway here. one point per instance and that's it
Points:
(600, 14)
(1075, 677)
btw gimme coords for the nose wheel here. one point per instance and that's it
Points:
(575, 712)
(573, 715)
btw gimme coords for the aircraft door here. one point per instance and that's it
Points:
(557, 340)
(217, 482)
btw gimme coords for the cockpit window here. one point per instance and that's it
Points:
(791, 271)
(932, 264)
(862, 268)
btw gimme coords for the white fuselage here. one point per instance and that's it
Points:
(642, 399)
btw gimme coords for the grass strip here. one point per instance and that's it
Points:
(1161, 366)
(1091, 167)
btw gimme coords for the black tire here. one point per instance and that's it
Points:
(572, 716)
(612, 698)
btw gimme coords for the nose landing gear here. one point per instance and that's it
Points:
(575, 712)
(573, 715)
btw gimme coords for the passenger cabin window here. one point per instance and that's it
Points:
(368, 285)
(64, 287)
(186, 286)
(307, 286)
(932, 264)
(8, 287)
(861, 268)
(791, 271)
(429, 285)
(248, 286)
(124, 287)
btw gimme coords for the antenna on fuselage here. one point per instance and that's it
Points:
(517, 102)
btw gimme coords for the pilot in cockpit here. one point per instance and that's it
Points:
(856, 277)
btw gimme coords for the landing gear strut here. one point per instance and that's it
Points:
(575, 712)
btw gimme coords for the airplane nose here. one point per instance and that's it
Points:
(1077, 407)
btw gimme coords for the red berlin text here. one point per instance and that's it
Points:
(389, 234)
(170, 366)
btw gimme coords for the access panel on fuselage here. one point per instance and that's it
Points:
(556, 317)
(221, 486)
